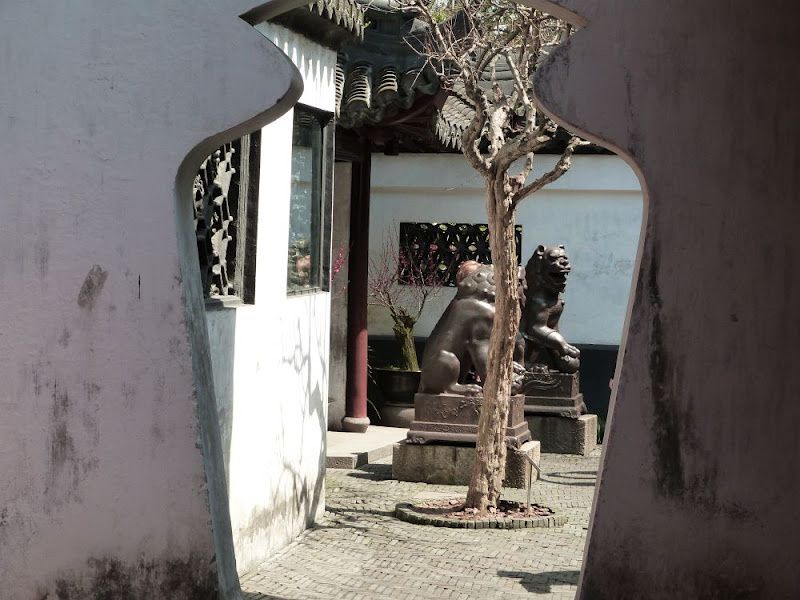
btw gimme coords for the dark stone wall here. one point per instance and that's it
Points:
(698, 491)
(109, 578)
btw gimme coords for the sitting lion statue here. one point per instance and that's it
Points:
(459, 343)
(546, 277)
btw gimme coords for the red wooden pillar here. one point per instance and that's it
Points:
(356, 419)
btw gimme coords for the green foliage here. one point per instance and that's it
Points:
(601, 428)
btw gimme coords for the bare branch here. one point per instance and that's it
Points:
(561, 167)
(496, 49)
(469, 44)
(402, 280)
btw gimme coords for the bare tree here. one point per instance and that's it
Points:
(402, 281)
(486, 51)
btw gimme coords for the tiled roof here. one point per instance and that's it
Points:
(383, 82)
(382, 77)
(330, 23)
(368, 93)
(454, 117)
(347, 14)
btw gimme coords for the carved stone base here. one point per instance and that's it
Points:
(556, 394)
(452, 465)
(569, 408)
(454, 418)
(565, 436)
(355, 424)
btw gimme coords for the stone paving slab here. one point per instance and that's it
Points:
(360, 551)
(347, 450)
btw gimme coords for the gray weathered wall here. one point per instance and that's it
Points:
(110, 462)
(698, 491)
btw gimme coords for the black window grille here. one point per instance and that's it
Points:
(442, 247)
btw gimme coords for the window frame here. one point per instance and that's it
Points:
(323, 228)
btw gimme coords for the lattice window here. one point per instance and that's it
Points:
(444, 246)
(225, 216)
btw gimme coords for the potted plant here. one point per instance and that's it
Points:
(402, 279)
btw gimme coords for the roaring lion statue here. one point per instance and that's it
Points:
(546, 277)
(459, 342)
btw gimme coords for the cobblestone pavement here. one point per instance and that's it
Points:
(361, 552)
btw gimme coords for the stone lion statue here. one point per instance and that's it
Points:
(546, 277)
(459, 342)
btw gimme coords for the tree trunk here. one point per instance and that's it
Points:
(404, 334)
(489, 467)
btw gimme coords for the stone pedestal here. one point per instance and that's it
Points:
(454, 418)
(553, 393)
(452, 465)
(564, 436)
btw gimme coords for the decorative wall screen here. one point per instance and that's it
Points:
(225, 217)
(444, 246)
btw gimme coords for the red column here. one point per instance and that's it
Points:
(356, 419)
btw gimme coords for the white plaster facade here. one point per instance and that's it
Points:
(270, 358)
(110, 462)
(595, 210)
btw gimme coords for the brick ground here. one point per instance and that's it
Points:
(361, 552)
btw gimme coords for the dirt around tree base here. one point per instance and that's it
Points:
(452, 513)
(454, 509)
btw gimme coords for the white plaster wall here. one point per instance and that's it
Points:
(316, 64)
(110, 470)
(270, 359)
(595, 210)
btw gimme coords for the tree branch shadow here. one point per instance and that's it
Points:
(577, 478)
(542, 583)
(373, 472)
(260, 596)
(360, 511)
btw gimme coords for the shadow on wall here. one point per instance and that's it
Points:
(315, 401)
(293, 499)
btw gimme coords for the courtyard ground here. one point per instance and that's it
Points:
(361, 552)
